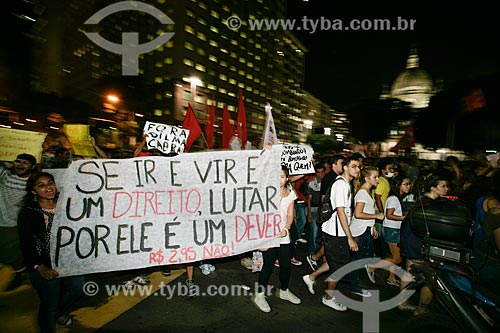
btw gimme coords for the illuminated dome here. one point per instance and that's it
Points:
(414, 84)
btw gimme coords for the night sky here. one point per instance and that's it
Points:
(455, 44)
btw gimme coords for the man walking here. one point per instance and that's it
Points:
(337, 236)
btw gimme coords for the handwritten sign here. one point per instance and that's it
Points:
(132, 213)
(298, 158)
(79, 137)
(165, 138)
(14, 142)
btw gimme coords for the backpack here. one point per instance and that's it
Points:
(326, 210)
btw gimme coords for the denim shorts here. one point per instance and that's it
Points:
(391, 235)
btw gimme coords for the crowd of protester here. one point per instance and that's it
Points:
(371, 202)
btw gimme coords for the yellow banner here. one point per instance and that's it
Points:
(79, 137)
(14, 142)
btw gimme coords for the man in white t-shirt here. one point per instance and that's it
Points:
(337, 235)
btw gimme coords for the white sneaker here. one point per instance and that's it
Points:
(261, 302)
(370, 273)
(309, 283)
(332, 303)
(302, 240)
(362, 292)
(287, 295)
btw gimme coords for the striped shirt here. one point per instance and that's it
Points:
(12, 191)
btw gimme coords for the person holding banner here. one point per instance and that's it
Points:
(13, 178)
(282, 252)
(57, 295)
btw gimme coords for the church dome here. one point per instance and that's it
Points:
(414, 84)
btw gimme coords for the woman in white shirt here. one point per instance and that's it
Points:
(363, 221)
(281, 253)
(400, 186)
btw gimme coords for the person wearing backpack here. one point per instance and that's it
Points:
(337, 235)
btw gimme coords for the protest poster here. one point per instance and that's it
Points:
(165, 138)
(298, 158)
(153, 211)
(14, 142)
(79, 137)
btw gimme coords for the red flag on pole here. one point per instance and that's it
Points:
(191, 123)
(242, 122)
(227, 128)
(209, 126)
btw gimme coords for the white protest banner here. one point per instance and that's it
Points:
(298, 158)
(165, 138)
(131, 213)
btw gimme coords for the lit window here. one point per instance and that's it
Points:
(241, 85)
(158, 79)
(188, 62)
(186, 95)
(232, 81)
(223, 63)
(189, 29)
(242, 60)
(249, 76)
(214, 29)
(202, 5)
(201, 36)
(212, 58)
(169, 44)
(200, 67)
(214, 14)
(202, 21)
(222, 91)
(223, 77)
(224, 51)
(233, 55)
(211, 87)
(201, 51)
(232, 68)
(243, 35)
(234, 42)
(241, 72)
(214, 43)
(168, 61)
(189, 46)
(231, 108)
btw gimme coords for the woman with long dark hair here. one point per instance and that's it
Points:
(56, 294)
(400, 186)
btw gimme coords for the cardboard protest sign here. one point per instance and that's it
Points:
(298, 158)
(165, 138)
(133, 213)
(14, 142)
(79, 137)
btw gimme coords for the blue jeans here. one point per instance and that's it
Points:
(315, 235)
(57, 297)
(365, 250)
(300, 222)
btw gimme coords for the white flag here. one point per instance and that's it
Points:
(270, 138)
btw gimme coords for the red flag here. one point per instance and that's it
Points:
(191, 123)
(227, 128)
(209, 126)
(242, 122)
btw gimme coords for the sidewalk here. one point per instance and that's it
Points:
(19, 307)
